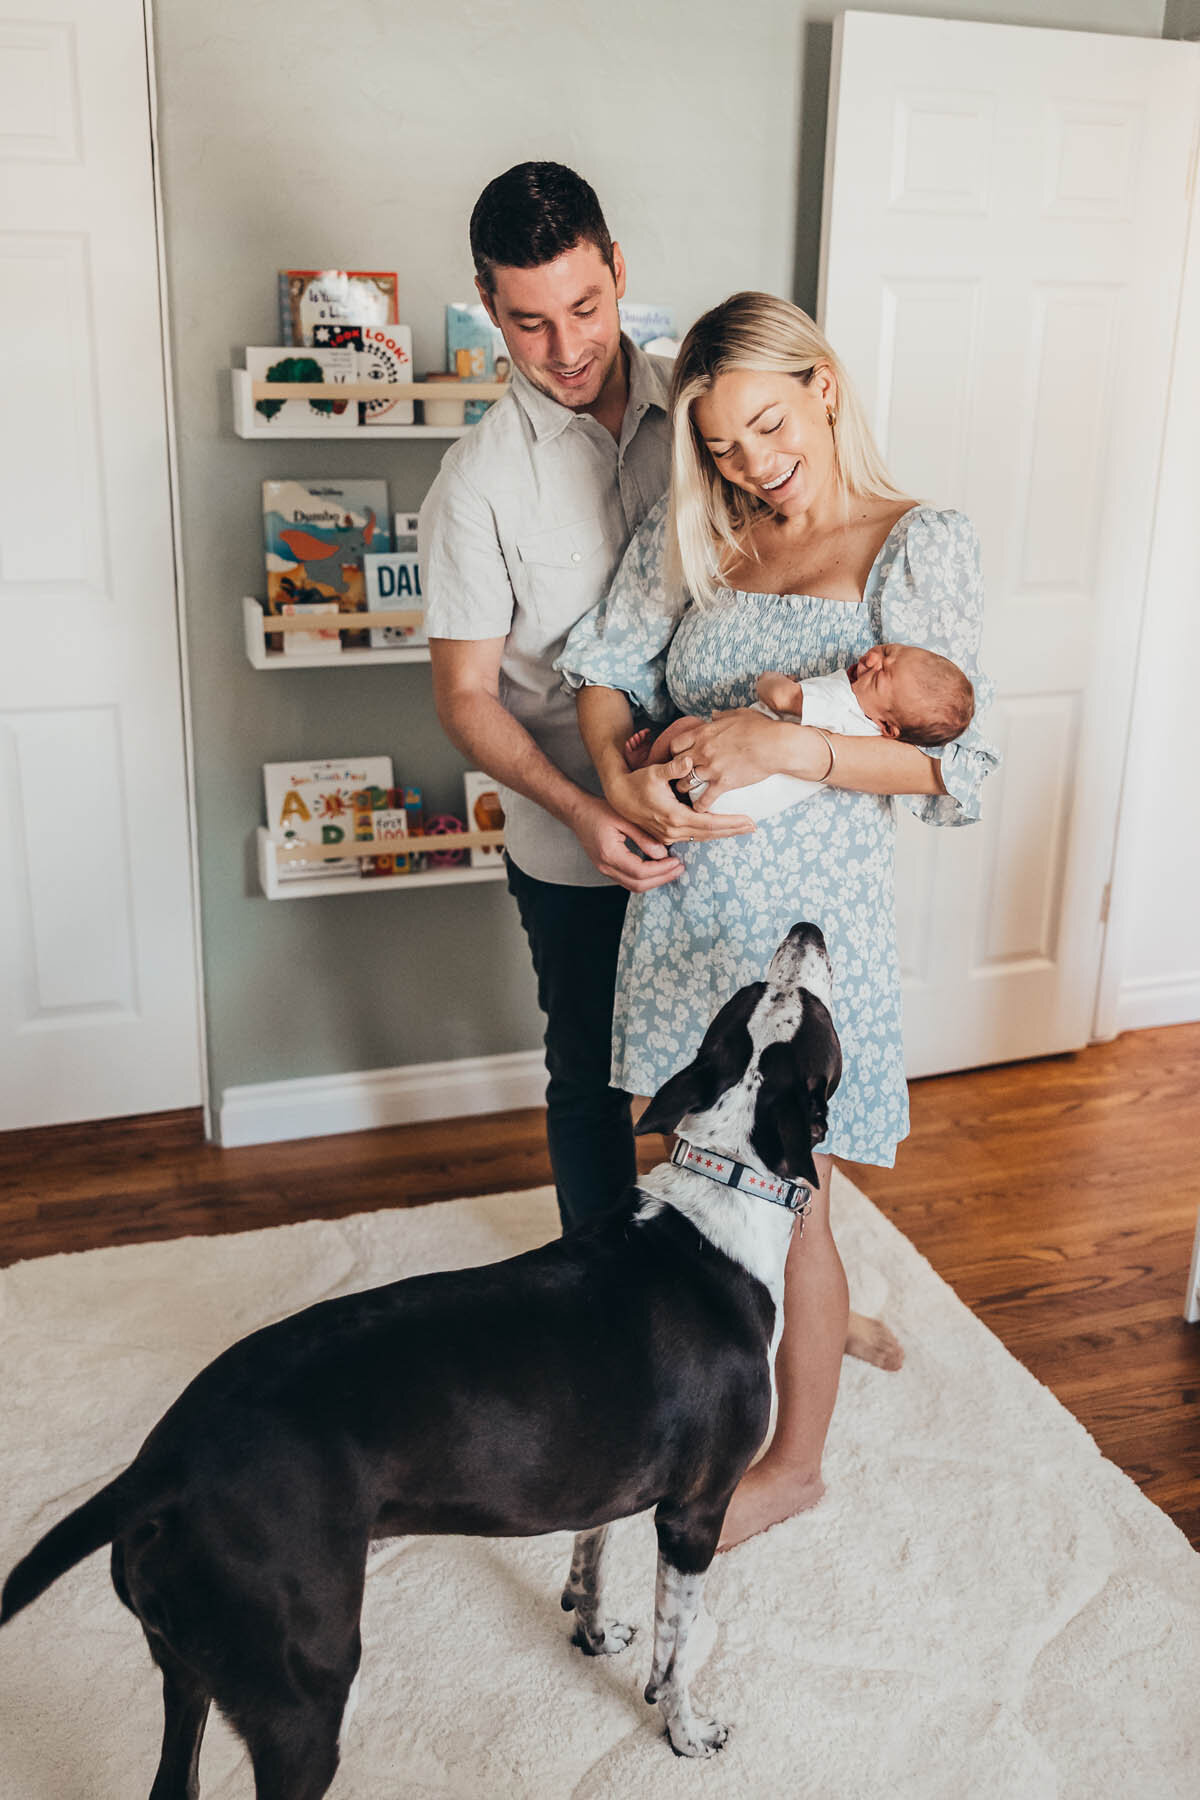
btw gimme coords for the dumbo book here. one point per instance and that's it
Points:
(317, 533)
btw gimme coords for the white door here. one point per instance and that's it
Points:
(1003, 238)
(98, 988)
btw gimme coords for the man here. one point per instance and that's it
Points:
(520, 535)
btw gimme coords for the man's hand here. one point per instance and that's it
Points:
(603, 834)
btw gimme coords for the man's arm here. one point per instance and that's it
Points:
(466, 689)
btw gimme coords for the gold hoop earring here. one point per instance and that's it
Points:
(831, 416)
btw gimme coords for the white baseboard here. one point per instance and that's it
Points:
(318, 1106)
(1158, 1000)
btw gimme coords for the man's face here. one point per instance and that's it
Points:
(560, 322)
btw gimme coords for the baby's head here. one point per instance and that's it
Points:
(913, 694)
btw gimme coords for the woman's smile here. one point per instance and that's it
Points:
(781, 481)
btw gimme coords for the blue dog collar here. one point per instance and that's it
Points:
(730, 1173)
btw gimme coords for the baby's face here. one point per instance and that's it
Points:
(887, 685)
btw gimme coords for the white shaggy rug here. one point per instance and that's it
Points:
(982, 1608)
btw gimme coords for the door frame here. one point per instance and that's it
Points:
(181, 639)
(1173, 525)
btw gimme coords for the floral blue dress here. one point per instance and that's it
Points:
(689, 945)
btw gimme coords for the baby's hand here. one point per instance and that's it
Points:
(637, 750)
(781, 693)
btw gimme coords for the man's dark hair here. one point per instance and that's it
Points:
(533, 214)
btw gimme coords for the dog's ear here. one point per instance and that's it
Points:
(720, 1063)
(790, 1118)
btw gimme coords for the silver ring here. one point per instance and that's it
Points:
(697, 781)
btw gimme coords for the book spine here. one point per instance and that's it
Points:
(285, 309)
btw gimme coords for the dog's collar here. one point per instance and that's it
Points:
(730, 1173)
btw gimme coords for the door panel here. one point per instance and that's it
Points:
(98, 989)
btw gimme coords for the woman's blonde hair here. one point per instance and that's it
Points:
(709, 516)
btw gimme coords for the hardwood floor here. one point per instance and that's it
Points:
(1058, 1198)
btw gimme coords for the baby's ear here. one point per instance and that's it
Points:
(888, 728)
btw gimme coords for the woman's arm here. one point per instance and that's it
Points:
(736, 748)
(931, 593)
(644, 796)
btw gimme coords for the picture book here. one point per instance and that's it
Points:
(310, 643)
(394, 585)
(316, 535)
(475, 351)
(484, 813)
(314, 803)
(386, 355)
(643, 324)
(310, 298)
(388, 819)
(328, 365)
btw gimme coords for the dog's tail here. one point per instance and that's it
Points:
(90, 1526)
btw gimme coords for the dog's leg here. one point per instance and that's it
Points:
(686, 1545)
(583, 1595)
(294, 1752)
(185, 1711)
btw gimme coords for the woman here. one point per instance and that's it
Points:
(784, 545)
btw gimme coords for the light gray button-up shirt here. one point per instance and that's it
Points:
(520, 535)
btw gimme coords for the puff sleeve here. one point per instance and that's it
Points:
(932, 595)
(623, 641)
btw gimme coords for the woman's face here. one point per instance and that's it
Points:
(770, 434)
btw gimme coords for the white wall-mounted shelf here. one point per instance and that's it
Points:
(247, 424)
(313, 887)
(256, 623)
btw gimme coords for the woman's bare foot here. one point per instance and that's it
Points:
(871, 1341)
(765, 1496)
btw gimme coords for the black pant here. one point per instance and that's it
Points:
(574, 933)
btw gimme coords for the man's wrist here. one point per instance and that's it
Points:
(575, 807)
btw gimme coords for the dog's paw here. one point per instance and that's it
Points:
(607, 1639)
(700, 1737)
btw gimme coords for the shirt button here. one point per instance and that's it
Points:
(575, 556)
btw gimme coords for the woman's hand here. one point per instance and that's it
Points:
(735, 748)
(643, 797)
(648, 800)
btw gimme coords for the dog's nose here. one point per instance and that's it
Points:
(804, 934)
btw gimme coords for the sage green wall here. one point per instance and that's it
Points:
(1181, 19)
(358, 133)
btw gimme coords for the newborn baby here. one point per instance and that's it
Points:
(895, 690)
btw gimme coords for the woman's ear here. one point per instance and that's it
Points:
(824, 385)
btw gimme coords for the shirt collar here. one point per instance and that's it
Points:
(647, 388)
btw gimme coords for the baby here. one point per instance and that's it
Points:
(895, 690)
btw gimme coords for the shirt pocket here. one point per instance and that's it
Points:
(566, 570)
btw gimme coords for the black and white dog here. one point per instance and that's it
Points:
(628, 1365)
